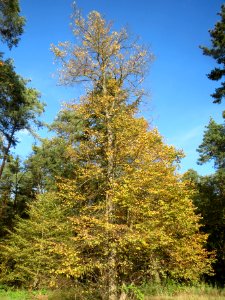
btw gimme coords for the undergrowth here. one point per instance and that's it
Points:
(169, 290)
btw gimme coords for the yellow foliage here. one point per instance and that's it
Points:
(129, 216)
(133, 217)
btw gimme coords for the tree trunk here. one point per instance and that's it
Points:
(6, 153)
(112, 286)
(5, 156)
(110, 216)
(112, 275)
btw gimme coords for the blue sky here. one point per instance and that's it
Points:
(179, 104)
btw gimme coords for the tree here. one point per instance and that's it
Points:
(213, 145)
(50, 159)
(209, 200)
(128, 216)
(211, 194)
(30, 257)
(125, 195)
(19, 109)
(217, 52)
(11, 23)
(99, 57)
(154, 232)
(21, 182)
(18, 188)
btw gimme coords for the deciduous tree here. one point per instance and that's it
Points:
(101, 57)
(31, 256)
(128, 216)
(125, 194)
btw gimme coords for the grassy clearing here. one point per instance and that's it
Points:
(9, 294)
(168, 291)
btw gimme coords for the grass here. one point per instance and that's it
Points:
(173, 291)
(10, 294)
(187, 296)
(167, 291)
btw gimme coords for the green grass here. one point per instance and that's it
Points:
(11, 294)
(166, 291)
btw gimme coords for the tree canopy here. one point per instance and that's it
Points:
(213, 145)
(216, 51)
(11, 23)
(19, 108)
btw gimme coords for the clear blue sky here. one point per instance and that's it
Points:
(180, 102)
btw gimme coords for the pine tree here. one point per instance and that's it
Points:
(19, 109)
(210, 195)
(11, 23)
(16, 191)
(213, 145)
(217, 52)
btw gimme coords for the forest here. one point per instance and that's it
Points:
(99, 209)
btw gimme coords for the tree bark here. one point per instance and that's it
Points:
(112, 286)
(6, 153)
(5, 156)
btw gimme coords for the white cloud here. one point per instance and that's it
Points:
(191, 134)
(185, 139)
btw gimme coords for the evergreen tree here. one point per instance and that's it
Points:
(19, 109)
(209, 200)
(11, 23)
(213, 145)
(15, 192)
(217, 52)
(210, 197)
(211, 194)
(50, 160)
